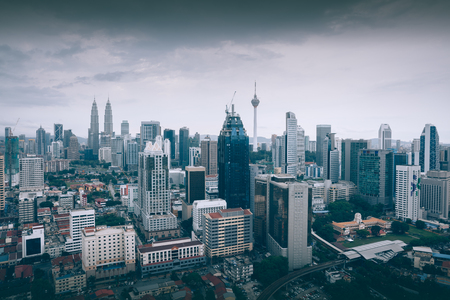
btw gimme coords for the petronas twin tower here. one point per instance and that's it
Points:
(93, 134)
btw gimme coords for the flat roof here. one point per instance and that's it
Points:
(165, 247)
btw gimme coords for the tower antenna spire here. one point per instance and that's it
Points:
(255, 88)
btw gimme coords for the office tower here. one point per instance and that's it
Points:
(66, 139)
(108, 126)
(255, 103)
(312, 146)
(2, 183)
(201, 207)
(233, 160)
(31, 174)
(195, 141)
(169, 134)
(47, 141)
(73, 152)
(255, 170)
(260, 208)
(117, 152)
(184, 147)
(27, 210)
(384, 137)
(78, 220)
(301, 149)
(56, 149)
(105, 140)
(397, 145)
(289, 220)
(116, 257)
(444, 159)
(415, 152)
(208, 157)
(349, 158)
(307, 143)
(11, 165)
(435, 195)
(33, 241)
(407, 193)
(40, 141)
(291, 157)
(8, 132)
(375, 176)
(228, 232)
(93, 133)
(330, 158)
(58, 131)
(277, 151)
(400, 159)
(132, 156)
(195, 189)
(429, 149)
(104, 154)
(31, 146)
(195, 154)
(154, 204)
(124, 128)
(321, 134)
(148, 133)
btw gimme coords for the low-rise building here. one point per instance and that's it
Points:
(349, 228)
(153, 288)
(167, 256)
(33, 241)
(68, 274)
(238, 268)
(422, 256)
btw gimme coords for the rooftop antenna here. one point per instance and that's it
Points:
(255, 88)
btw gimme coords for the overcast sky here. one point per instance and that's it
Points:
(351, 64)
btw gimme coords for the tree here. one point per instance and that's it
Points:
(327, 233)
(91, 282)
(45, 257)
(420, 224)
(399, 227)
(46, 204)
(210, 295)
(174, 276)
(341, 211)
(408, 221)
(42, 289)
(363, 233)
(375, 230)
(187, 225)
(117, 195)
(271, 269)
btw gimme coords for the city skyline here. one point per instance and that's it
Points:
(354, 65)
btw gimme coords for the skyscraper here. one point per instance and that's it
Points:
(195, 189)
(11, 165)
(349, 162)
(132, 156)
(73, 152)
(384, 137)
(93, 130)
(321, 133)
(124, 128)
(58, 131)
(67, 135)
(429, 155)
(407, 192)
(233, 160)
(40, 141)
(435, 195)
(170, 135)
(2, 183)
(208, 158)
(108, 129)
(291, 158)
(117, 152)
(255, 103)
(184, 146)
(149, 131)
(7, 132)
(301, 149)
(31, 174)
(330, 158)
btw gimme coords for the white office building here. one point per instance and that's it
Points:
(384, 137)
(104, 154)
(31, 174)
(79, 219)
(291, 157)
(33, 241)
(201, 207)
(301, 149)
(194, 156)
(407, 204)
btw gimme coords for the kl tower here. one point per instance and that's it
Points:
(255, 103)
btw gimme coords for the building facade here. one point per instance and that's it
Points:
(93, 131)
(429, 154)
(384, 137)
(435, 195)
(201, 207)
(31, 174)
(208, 158)
(349, 158)
(321, 133)
(78, 220)
(407, 200)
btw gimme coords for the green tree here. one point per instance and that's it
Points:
(42, 289)
(174, 276)
(408, 221)
(210, 295)
(187, 225)
(420, 224)
(375, 230)
(90, 281)
(341, 211)
(270, 269)
(327, 233)
(363, 233)
(109, 220)
(46, 204)
(399, 227)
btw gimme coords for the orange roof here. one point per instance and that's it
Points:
(231, 209)
(215, 215)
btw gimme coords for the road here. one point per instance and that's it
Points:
(271, 289)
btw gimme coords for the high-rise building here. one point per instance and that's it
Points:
(330, 158)
(195, 189)
(66, 140)
(169, 134)
(201, 207)
(407, 193)
(93, 133)
(291, 157)
(289, 220)
(56, 149)
(233, 160)
(312, 147)
(228, 232)
(307, 143)
(148, 133)
(40, 142)
(7, 132)
(116, 257)
(429, 149)
(400, 159)
(435, 195)
(31, 174)
(104, 154)
(132, 155)
(108, 127)
(349, 158)
(124, 128)
(73, 152)
(255, 103)
(78, 220)
(27, 210)
(321, 134)
(58, 131)
(208, 158)
(2, 183)
(153, 205)
(11, 165)
(195, 154)
(31, 146)
(184, 146)
(255, 170)
(260, 208)
(277, 152)
(117, 152)
(375, 176)
(384, 137)
(301, 149)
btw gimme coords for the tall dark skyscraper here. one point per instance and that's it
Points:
(322, 131)
(349, 159)
(58, 131)
(94, 130)
(40, 141)
(233, 162)
(108, 129)
(429, 155)
(184, 147)
(170, 135)
(149, 131)
(67, 135)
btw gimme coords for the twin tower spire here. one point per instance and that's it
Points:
(93, 134)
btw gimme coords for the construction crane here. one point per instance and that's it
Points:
(231, 103)
(12, 131)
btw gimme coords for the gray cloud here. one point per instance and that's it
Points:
(110, 76)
